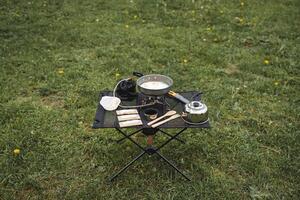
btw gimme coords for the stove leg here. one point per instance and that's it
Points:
(128, 165)
(172, 165)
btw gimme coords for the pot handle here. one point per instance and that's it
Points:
(137, 74)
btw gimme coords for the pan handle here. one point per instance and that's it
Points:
(137, 74)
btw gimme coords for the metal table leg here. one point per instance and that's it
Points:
(129, 138)
(149, 150)
(172, 138)
(172, 165)
(126, 166)
(178, 139)
(131, 134)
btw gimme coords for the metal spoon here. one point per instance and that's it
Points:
(167, 114)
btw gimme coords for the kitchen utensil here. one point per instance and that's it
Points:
(110, 103)
(127, 111)
(196, 112)
(178, 96)
(166, 120)
(126, 89)
(167, 114)
(150, 114)
(153, 84)
(128, 117)
(130, 123)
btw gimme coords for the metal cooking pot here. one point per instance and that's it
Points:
(153, 89)
(196, 112)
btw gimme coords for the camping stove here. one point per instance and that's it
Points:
(157, 103)
(152, 101)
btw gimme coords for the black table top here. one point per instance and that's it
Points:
(108, 119)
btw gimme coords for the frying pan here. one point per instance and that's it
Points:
(153, 78)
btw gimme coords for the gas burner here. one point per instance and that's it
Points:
(155, 102)
(145, 99)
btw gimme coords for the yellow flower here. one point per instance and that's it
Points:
(239, 19)
(185, 60)
(17, 151)
(276, 83)
(242, 3)
(266, 62)
(221, 11)
(60, 71)
(208, 29)
(135, 16)
(126, 26)
(117, 75)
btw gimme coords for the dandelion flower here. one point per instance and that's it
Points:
(117, 75)
(276, 83)
(185, 60)
(135, 16)
(17, 151)
(242, 3)
(239, 19)
(60, 71)
(126, 26)
(266, 62)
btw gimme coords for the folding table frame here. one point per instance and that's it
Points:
(150, 149)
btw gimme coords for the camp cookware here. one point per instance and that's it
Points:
(126, 89)
(110, 103)
(153, 84)
(195, 111)
(167, 114)
(150, 113)
(179, 97)
(166, 120)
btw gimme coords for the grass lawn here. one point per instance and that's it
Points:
(57, 55)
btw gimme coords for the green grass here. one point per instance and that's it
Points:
(218, 47)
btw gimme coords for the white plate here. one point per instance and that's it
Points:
(110, 103)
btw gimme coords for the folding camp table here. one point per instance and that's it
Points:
(108, 119)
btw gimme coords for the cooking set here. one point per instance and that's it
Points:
(154, 88)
